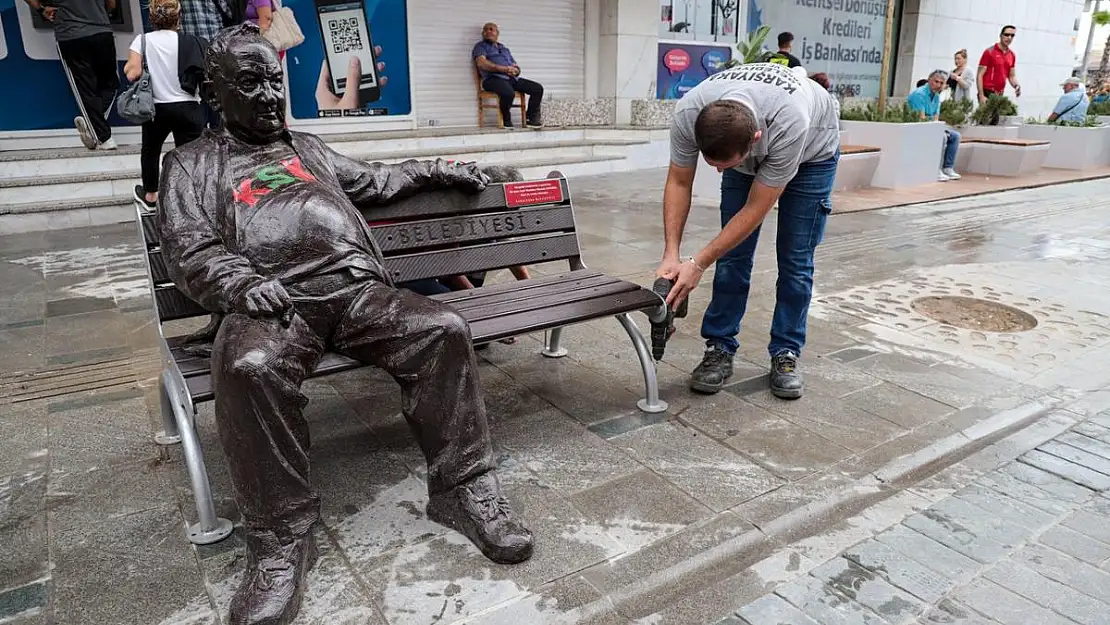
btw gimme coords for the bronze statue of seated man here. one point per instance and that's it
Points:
(259, 224)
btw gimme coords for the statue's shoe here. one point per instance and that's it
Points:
(274, 580)
(478, 510)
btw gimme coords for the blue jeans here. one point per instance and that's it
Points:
(951, 146)
(804, 206)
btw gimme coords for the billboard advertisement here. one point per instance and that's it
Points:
(354, 61)
(365, 40)
(679, 67)
(843, 38)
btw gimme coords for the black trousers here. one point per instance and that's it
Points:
(185, 120)
(506, 89)
(258, 367)
(92, 61)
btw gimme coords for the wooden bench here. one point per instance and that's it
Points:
(431, 235)
(484, 102)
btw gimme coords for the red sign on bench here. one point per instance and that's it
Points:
(533, 192)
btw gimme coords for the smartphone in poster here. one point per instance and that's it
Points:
(353, 61)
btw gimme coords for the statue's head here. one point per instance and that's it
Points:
(245, 83)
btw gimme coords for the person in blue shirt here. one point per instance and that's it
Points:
(926, 100)
(1072, 106)
(501, 75)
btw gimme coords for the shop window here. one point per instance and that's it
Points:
(699, 20)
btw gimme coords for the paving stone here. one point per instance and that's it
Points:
(1005, 483)
(1004, 606)
(707, 470)
(900, 570)
(703, 603)
(23, 599)
(724, 415)
(831, 418)
(1006, 508)
(1076, 545)
(1096, 526)
(772, 610)
(1045, 592)
(1063, 468)
(821, 603)
(549, 604)
(898, 405)
(1066, 570)
(788, 450)
(949, 612)
(916, 546)
(1098, 432)
(1087, 444)
(1061, 488)
(1078, 456)
(935, 384)
(958, 537)
(869, 589)
(639, 508)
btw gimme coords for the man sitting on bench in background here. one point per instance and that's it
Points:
(501, 75)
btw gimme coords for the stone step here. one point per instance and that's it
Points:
(53, 214)
(47, 186)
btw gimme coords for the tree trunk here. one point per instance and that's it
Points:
(1103, 65)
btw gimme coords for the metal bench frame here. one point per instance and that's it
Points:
(178, 408)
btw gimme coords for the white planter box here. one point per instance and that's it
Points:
(1011, 120)
(996, 159)
(1072, 148)
(911, 153)
(989, 132)
(856, 171)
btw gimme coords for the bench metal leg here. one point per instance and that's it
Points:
(210, 528)
(551, 347)
(169, 434)
(651, 403)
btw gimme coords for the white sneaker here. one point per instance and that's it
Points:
(951, 173)
(88, 137)
(942, 177)
(110, 144)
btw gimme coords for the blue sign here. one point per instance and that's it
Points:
(681, 67)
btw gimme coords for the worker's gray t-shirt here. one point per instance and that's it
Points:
(77, 19)
(799, 119)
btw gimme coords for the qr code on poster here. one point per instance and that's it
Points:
(344, 35)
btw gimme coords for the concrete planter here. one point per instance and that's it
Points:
(910, 153)
(1011, 120)
(989, 132)
(1072, 148)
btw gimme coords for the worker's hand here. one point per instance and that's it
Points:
(267, 299)
(1017, 90)
(685, 281)
(668, 269)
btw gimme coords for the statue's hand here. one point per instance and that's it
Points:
(468, 176)
(267, 299)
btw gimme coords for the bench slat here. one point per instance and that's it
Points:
(525, 291)
(487, 330)
(151, 235)
(445, 202)
(158, 271)
(455, 298)
(470, 228)
(173, 304)
(482, 257)
(545, 299)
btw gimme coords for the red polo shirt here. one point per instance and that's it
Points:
(998, 64)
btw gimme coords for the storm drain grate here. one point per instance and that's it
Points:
(79, 378)
(971, 313)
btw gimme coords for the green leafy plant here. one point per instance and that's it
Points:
(1089, 121)
(1099, 108)
(996, 107)
(869, 112)
(955, 112)
(749, 51)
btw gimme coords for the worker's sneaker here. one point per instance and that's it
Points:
(786, 382)
(714, 370)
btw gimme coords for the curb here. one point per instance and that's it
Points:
(736, 554)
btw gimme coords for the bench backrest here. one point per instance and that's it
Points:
(435, 234)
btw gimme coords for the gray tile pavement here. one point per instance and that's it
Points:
(619, 499)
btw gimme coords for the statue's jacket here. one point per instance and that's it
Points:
(216, 248)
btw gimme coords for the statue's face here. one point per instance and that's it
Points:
(253, 98)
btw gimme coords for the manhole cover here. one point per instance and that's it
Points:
(974, 314)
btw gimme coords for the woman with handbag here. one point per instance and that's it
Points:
(277, 25)
(177, 108)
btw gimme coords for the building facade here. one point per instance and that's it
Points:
(601, 62)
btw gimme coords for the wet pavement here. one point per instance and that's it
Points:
(640, 518)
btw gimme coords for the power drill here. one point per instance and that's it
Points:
(662, 319)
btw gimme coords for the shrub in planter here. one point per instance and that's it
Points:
(1100, 108)
(749, 51)
(955, 112)
(870, 113)
(1091, 121)
(996, 107)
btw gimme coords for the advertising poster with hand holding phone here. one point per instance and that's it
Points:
(353, 61)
